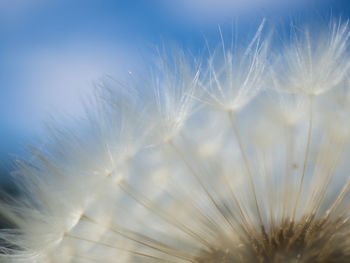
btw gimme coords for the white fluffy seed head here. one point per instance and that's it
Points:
(154, 175)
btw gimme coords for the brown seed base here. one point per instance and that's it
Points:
(307, 241)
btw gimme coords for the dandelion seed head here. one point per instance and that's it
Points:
(175, 171)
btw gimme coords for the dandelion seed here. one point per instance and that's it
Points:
(165, 178)
(233, 82)
(312, 65)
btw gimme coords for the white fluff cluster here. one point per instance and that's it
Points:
(183, 165)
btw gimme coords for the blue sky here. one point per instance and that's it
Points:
(51, 52)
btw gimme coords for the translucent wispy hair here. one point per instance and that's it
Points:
(315, 61)
(150, 179)
(174, 83)
(236, 76)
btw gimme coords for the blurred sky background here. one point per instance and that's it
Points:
(52, 51)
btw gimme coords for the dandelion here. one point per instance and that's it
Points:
(187, 168)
